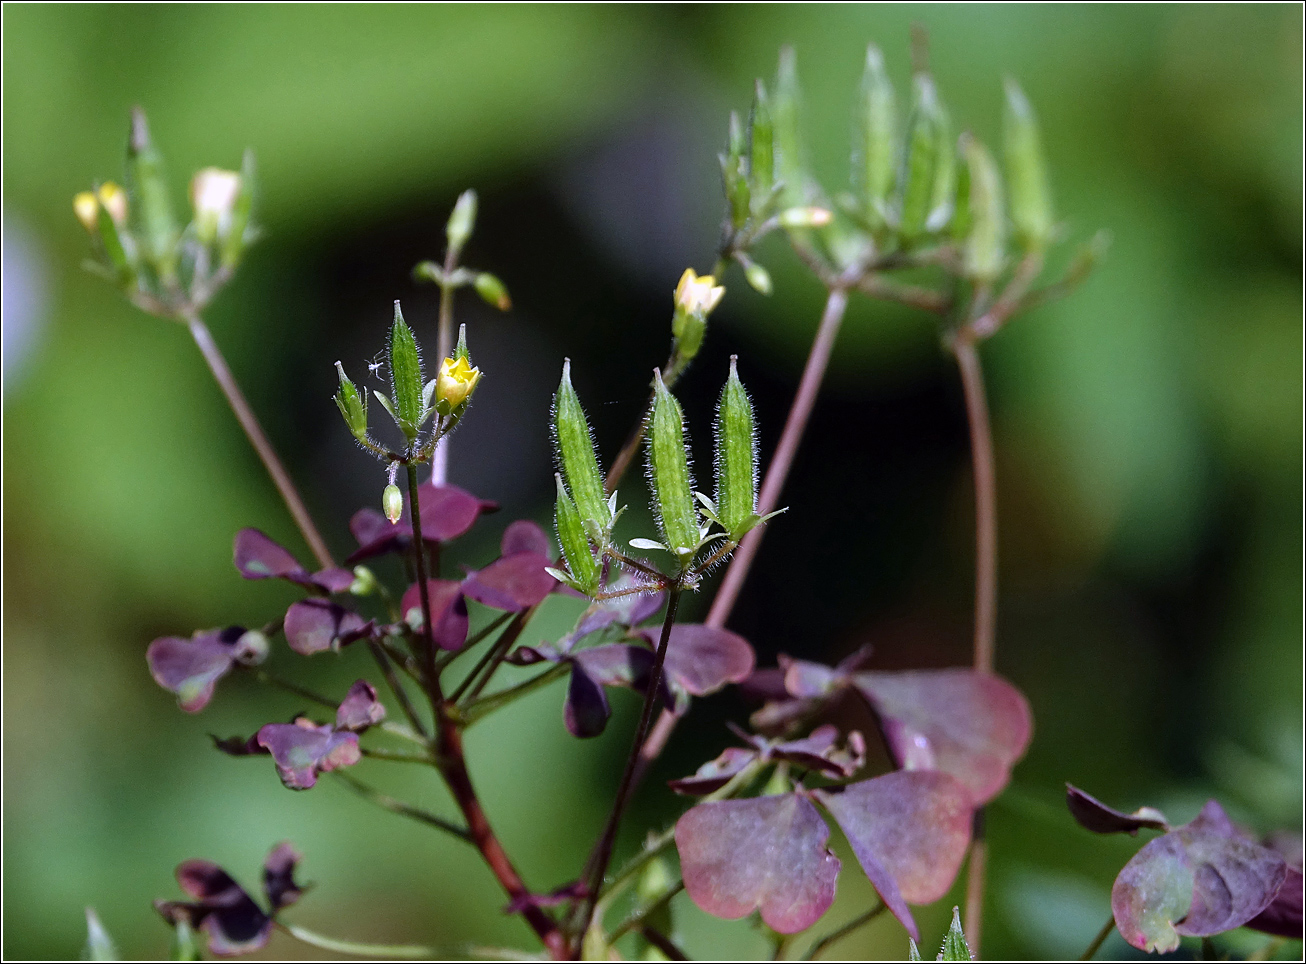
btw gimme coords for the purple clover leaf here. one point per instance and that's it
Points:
(1092, 814)
(303, 749)
(259, 557)
(317, 625)
(910, 831)
(192, 667)
(701, 660)
(224, 911)
(517, 580)
(360, 708)
(766, 853)
(447, 512)
(1197, 880)
(448, 611)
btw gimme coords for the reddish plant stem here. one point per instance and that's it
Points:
(254, 432)
(818, 359)
(452, 764)
(597, 865)
(986, 507)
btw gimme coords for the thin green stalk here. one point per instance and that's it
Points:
(1100, 939)
(499, 650)
(486, 658)
(401, 808)
(423, 592)
(396, 687)
(475, 711)
(395, 756)
(263, 676)
(254, 432)
(638, 917)
(844, 931)
(354, 947)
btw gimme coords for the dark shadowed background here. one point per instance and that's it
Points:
(1149, 429)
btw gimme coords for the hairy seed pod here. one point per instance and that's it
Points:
(873, 145)
(1031, 201)
(733, 174)
(786, 107)
(736, 456)
(571, 536)
(668, 471)
(574, 447)
(761, 149)
(405, 375)
(916, 182)
(159, 227)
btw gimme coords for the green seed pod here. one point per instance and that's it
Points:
(352, 405)
(461, 220)
(113, 247)
(575, 544)
(873, 147)
(955, 947)
(668, 472)
(574, 446)
(233, 245)
(736, 456)
(961, 221)
(916, 181)
(492, 291)
(758, 277)
(392, 502)
(761, 149)
(983, 251)
(405, 375)
(1031, 201)
(733, 174)
(789, 163)
(655, 883)
(159, 227)
(945, 174)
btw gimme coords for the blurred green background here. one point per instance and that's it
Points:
(1149, 429)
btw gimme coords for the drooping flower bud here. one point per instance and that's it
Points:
(392, 503)
(492, 291)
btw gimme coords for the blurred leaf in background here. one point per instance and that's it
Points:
(1149, 428)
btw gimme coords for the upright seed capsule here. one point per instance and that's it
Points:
(159, 225)
(233, 246)
(668, 469)
(572, 538)
(405, 375)
(873, 147)
(352, 405)
(736, 456)
(574, 446)
(1031, 202)
(916, 182)
(761, 147)
(733, 174)
(945, 173)
(983, 251)
(789, 164)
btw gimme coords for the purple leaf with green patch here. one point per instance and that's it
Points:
(1283, 915)
(302, 750)
(525, 536)
(317, 625)
(970, 724)
(766, 853)
(228, 916)
(1200, 879)
(192, 667)
(1092, 814)
(360, 708)
(258, 556)
(909, 830)
(448, 611)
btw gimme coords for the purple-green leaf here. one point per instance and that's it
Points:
(192, 667)
(525, 536)
(909, 830)
(317, 625)
(715, 774)
(970, 724)
(302, 750)
(448, 611)
(279, 876)
(257, 556)
(766, 853)
(513, 583)
(1282, 916)
(360, 708)
(1092, 814)
(700, 659)
(228, 916)
(820, 751)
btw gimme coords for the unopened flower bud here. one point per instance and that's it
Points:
(251, 648)
(455, 384)
(758, 277)
(364, 583)
(114, 200)
(462, 220)
(352, 405)
(213, 194)
(87, 209)
(805, 217)
(697, 296)
(392, 502)
(492, 291)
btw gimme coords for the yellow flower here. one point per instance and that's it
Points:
(87, 209)
(114, 200)
(455, 383)
(697, 296)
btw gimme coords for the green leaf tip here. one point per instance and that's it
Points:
(1031, 200)
(955, 947)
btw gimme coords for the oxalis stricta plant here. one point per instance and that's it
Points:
(931, 219)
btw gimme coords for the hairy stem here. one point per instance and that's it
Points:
(844, 931)
(254, 432)
(598, 862)
(1100, 939)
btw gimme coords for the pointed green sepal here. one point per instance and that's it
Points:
(874, 145)
(405, 375)
(913, 952)
(99, 945)
(733, 174)
(352, 405)
(984, 247)
(158, 225)
(240, 232)
(668, 471)
(916, 182)
(114, 248)
(736, 455)
(1031, 201)
(790, 164)
(581, 564)
(955, 947)
(574, 447)
(761, 145)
